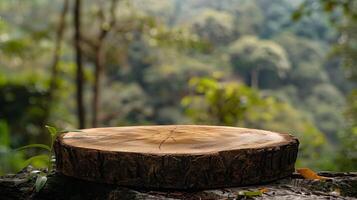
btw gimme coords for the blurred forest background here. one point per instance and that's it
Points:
(282, 65)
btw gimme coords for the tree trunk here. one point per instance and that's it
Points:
(54, 65)
(99, 60)
(176, 156)
(56, 54)
(79, 73)
(99, 65)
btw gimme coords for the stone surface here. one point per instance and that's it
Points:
(59, 187)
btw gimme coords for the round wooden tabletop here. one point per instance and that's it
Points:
(173, 139)
(175, 156)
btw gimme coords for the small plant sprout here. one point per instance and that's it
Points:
(46, 158)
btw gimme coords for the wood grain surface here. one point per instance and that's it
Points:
(176, 156)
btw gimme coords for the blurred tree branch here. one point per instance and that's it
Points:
(79, 73)
(57, 52)
(105, 27)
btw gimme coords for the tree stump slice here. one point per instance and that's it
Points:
(176, 156)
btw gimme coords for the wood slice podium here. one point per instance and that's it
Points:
(176, 156)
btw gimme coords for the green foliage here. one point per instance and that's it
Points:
(4, 136)
(325, 102)
(220, 103)
(122, 112)
(249, 17)
(155, 48)
(307, 75)
(347, 48)
(214, 26)
(314, 92)
(15, 47)
(275, 18)
(37, 161)
(347, 158)
(250, 51)
(249, 194)
(9, 161)
(45, 147)
(234, 104)
(43, 158)
(25, 108)
(347, 7)
(181, 39)
(251, 55)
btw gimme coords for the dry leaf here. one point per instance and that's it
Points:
(309, 174)
(263, 190)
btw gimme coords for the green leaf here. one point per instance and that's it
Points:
(74, 130)
(250, 193)
(52, 130)
(34, 146)
(40, 182)
(41, 158)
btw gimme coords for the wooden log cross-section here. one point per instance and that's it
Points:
(176, 156)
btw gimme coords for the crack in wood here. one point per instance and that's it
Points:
(168, 137)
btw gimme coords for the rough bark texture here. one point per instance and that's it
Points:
(59, 187)
(157, 169)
